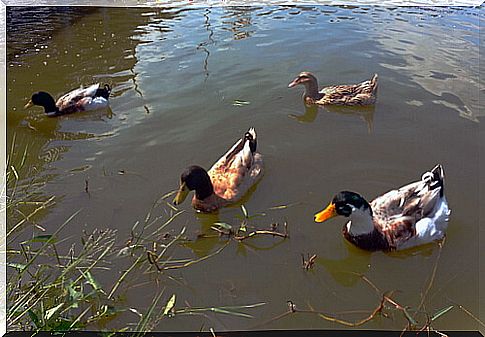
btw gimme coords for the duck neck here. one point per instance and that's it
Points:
(50, 105)
(361, 222)
(311, 90)
(209, 204)
(360, 231)
(204, 189)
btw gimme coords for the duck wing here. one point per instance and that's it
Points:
(235, 172)
(81, 99)
(76, 95)
(355, 94)
(397, 213)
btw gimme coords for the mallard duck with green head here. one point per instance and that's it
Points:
(412, 215)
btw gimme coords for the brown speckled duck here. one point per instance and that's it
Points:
(412, 215)
(356, 94)
(228, 179)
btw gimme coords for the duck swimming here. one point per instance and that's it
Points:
(228, 179)
(82, 99)
(412, 215)
(363, 93)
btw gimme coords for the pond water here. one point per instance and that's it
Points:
(187, 82)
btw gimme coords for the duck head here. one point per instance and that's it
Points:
(194, 178)
(350, 205)
(304, 78)
(310, 82)
(344, 203)
(43, 99)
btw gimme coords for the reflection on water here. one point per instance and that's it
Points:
(176, 73)
(348, 270)
(22, 19)
(210, 41)
(311, 112)
(366, 113)
(238, 21)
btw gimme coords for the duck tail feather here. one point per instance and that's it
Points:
(250, 136)
(104, 92)
(435, 178)
(373, 81)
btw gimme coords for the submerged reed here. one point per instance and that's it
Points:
(54, 281)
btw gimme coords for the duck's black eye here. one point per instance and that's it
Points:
(343, 209)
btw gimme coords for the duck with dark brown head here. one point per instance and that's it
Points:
(228, 179)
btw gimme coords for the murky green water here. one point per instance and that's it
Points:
(177, 75)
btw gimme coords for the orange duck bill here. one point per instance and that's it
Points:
(326, 214)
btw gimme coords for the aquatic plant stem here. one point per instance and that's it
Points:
(433, 275)
(122, 278)
(199, 259)
(43, 206)
(49, 241)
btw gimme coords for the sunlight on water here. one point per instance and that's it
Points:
(188, 82)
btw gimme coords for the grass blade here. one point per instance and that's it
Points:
(245, 211)
(49, 313)
(441, 312)
(170, 305)
(223, 225)
(49, 241)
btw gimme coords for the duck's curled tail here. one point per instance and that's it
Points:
(104, 92)
(250, 136)
(373, 83)
(435, 178)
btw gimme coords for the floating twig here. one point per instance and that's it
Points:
(292, 309)
(260, 232)
(385, 298)
(466, 311)
(308, 264)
